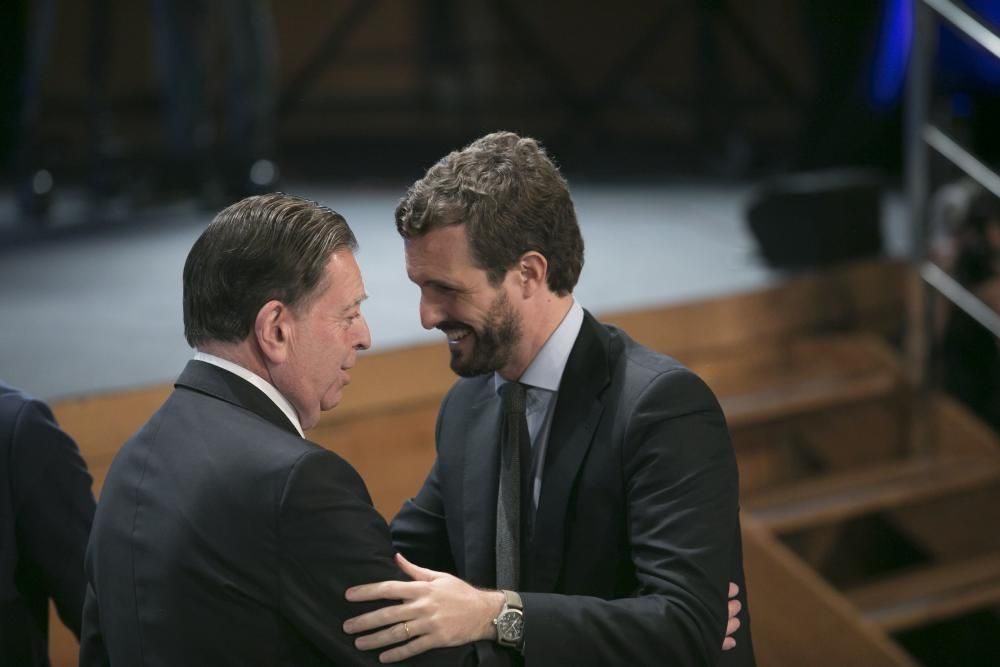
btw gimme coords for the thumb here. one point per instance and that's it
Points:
(415, 572)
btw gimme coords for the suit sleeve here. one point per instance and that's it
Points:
(419, 530)
(54, 508)
(331, 538)
(92, 650)
(682, 503)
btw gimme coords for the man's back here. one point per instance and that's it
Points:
(185, 545)
(223, 538)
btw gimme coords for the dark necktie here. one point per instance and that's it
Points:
(512, 499)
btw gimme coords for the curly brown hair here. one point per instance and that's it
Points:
(512, 199)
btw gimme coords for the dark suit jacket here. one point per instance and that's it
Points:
(46, 507)
(224, 538)
(637, 517)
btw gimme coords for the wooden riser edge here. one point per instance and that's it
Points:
(864, 296)
(820, 394)
(842, 496)
(929, 594)
(799, 619)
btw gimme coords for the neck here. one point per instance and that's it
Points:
(242, 354)
(539, 322)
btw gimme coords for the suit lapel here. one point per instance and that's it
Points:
(223, 385)
(480, 450)
(578, 411)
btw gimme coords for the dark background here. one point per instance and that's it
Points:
(616, 90)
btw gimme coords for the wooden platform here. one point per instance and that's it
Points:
(827, 432)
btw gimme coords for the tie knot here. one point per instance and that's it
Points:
(514, 397)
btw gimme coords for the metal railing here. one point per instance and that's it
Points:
(922, 137)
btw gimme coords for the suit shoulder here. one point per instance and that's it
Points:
(319, 472)
(632, 353)
(29, 429)
(641, 371)
(11, 399)
(200, 428)
(17, 408)
(314, 455)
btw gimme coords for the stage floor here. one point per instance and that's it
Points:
(97, 307)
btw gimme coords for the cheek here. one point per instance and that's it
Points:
(468, 312)
(339, 348)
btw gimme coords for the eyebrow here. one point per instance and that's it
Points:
(354, 304)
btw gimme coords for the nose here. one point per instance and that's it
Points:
(430, 313)
(364, 336)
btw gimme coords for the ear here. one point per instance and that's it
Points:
(272, 329)
(532, 273)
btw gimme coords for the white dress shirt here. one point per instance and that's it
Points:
(269, 389)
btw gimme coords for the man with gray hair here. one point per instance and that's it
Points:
(223, 536)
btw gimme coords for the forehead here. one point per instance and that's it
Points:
(441, 252)
(345, 285)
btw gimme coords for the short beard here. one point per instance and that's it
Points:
(494, 345)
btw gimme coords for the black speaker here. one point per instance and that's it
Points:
(817, 219)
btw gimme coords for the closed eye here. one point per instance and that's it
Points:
(444, 288)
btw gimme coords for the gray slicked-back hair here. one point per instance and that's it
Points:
(273, 246)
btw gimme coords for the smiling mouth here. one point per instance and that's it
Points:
(455, 335)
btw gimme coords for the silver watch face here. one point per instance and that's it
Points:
(510, 625)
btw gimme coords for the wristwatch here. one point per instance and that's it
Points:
(510, 621)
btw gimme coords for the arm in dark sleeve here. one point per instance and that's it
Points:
(331, 538)
(419, 530)
(92, 650)
(682, 495)
(54, 507)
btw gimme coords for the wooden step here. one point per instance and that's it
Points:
(800, 376)
(833, 498)
(800, 397)
(930, 594)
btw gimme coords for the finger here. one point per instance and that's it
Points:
(734, 607)
(734, 590)
(415, 572)
(728, 644)
(732, 626)
(408, 650)
(393, 634)
(379, 618)
(384, 590)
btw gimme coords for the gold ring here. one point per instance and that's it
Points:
(406, 628)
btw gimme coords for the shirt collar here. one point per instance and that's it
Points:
(269, 389)
(546, 369)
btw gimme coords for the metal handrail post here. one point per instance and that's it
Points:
(919, 326)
